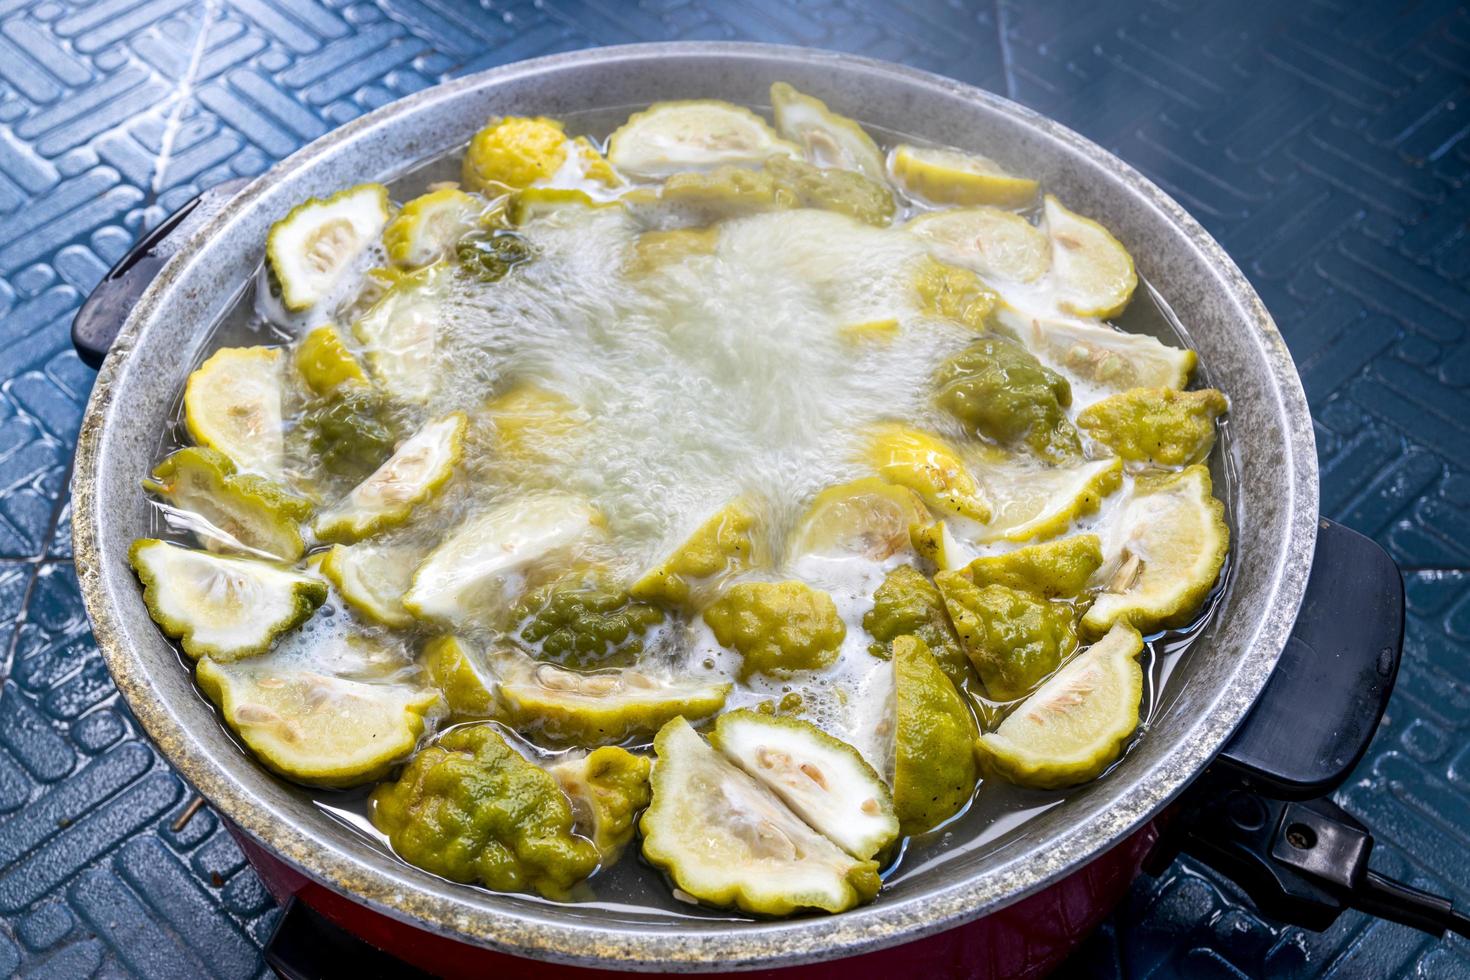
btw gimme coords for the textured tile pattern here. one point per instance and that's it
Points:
(1323, 142)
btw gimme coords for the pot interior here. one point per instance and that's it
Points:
(1011, 842)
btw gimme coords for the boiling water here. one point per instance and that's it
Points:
(717, 376)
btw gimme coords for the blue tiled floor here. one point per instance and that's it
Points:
(1323, 142)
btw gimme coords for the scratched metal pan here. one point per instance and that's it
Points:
(1273, 510)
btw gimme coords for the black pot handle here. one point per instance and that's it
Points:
(97, 323)
(1261, 814)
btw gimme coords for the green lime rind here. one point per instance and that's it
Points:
(222, 590)
(415, 472)
(906, 603)
(727, 841)
(452, 668)
(348, 220)
(822, 134)
(1077, 724)
(608, 788)
(258, 514)
(1016, 613)
(1160, 426)
(778, 628)
(470, 808)
(824, 780)
(934, 771)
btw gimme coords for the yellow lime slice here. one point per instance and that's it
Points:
(995, 243)
(415, 472)
(311, 248)
(870, 331)
(313, 726)
(222, 607)
(372, 578)
(1095, 353)
(400, 333)
(454, 668)
(826, 138)
(1091, 270)
(726, 840)
(866, 517)
(592, 165)
(232, 403)
(477, 569)
(601, 707)
(429, 225)
(229, 511)
(671, 137)
(824, 780)
(930, 467)
(1076, 724)
(945, 176)
(1169, 544)
(1029, 501)
(325, 363)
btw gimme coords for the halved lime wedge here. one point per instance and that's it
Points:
(229, 511)
(325, 363)
(232, 403)
(1096, 353)
(1076, 724)
(929, 466)
(480, 565)
(1173, 541)
(455, 669)
(934, 768)
(866, 517)
(1092, 271)
(312, 247)
(825, 781)
(944, 176)
(372, 578)
(826, 138)
(400, 333)
(1029, 501)
(995, 243)
(225, 608)
(429, 225)
(608, 787)
(729, 542)
(411, 476)
(726, 840)
(602, 707)
(313, 726)
(670, 137)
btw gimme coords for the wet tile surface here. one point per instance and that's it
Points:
(1324, 143)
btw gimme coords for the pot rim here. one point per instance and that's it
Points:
(385, 887)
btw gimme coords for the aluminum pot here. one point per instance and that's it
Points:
(215, 251)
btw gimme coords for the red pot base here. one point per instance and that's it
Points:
(1027, 939)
